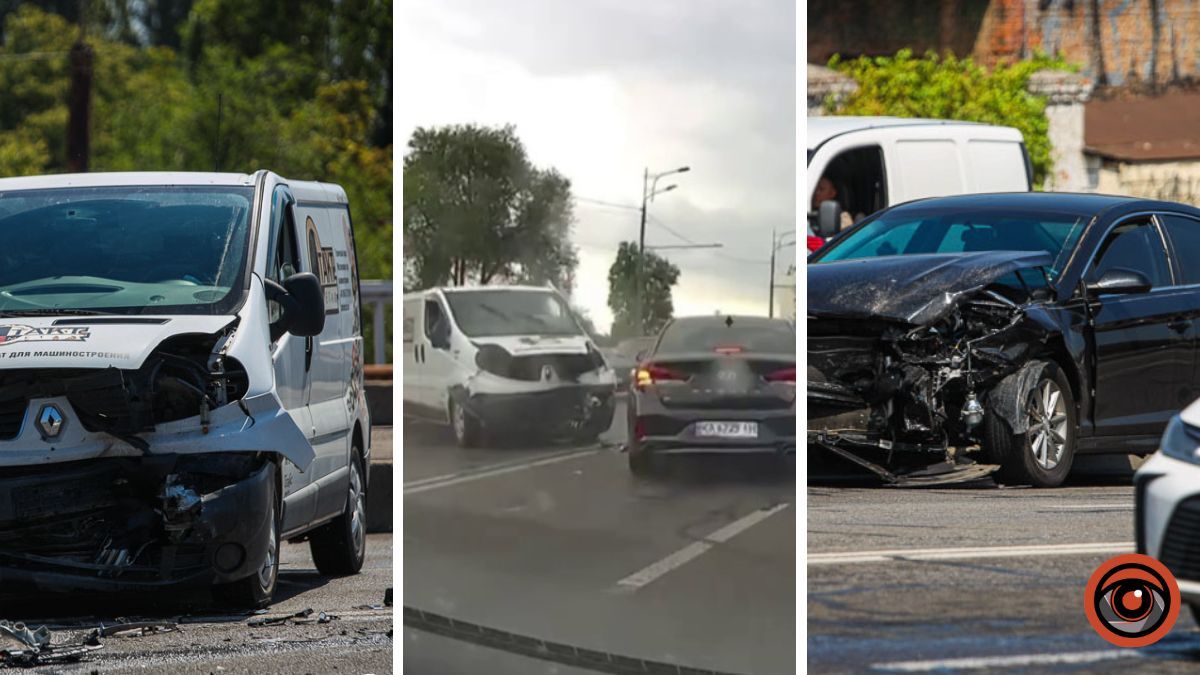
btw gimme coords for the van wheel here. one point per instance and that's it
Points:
(339, 547)
(256, 590)
(1041, 456)
(468, 430)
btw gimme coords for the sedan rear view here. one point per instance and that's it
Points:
(714, 384)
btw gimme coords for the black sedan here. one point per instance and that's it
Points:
(714, 384)
(950, 337)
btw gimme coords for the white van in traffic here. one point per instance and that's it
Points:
(494, 359)
(181, 381)
(875, 162)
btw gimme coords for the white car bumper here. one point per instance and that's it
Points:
(1167, 518)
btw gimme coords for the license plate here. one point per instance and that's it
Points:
(727, 429)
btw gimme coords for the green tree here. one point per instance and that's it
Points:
(476, 210)
(946, 87)
(659, 276)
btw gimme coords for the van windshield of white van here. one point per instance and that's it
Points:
(124, 250)
(495, 313)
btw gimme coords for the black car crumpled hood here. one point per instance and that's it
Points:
(914, 289)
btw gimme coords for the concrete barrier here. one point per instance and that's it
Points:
(379, 487)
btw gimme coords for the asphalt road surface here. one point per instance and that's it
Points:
(207, 639)
(972, 578)
(564, 545)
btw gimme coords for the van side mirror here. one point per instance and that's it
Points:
(1118, 281)
(302, 302)
(829, 218)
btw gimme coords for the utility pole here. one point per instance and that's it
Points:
(639, 323)
(771, 294)
(79, 100)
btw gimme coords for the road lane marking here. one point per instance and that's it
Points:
(963, 553)
(1014, 661)
(447, 480)
(695, 549)
(1099, 506)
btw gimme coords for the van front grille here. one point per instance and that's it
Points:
(12, 413)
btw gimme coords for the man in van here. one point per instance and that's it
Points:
(826, 191)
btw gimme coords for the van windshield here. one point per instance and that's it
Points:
(124, 250)
(507, 312)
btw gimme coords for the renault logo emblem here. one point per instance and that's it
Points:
(50, 421)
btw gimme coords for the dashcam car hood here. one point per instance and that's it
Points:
(912, 289)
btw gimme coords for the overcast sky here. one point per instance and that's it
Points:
(600, 89)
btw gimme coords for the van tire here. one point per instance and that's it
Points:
(340, 546)
(1016, 453)
(468, 430)
(256, 590)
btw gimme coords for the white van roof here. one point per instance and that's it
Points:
(310, 191)
(821, 129)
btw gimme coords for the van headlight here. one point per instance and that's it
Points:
(1181, 441)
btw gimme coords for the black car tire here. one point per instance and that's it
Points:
(256, 590)
(1015, 453)
(644, 464)
(468, 432)
(340, 546)
(599, 423)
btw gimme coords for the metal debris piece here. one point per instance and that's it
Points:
(21, 647)
(279, 620)
(135, 628)
(19, 635)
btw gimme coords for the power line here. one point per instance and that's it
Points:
(663, 225)
(601, 202)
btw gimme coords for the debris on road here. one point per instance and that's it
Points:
(302, 617)
(22, 647)
(135, 628)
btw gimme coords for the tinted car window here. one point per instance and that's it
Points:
(1185, 236)
(1135, 246)
(919, 231)
(746, 335)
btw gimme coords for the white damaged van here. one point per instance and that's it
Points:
(492, 360)
(181, 382)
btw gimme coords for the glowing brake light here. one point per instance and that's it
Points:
(649, 373)
(783, 375)
(729, 349)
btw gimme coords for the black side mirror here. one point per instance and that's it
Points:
(829, 218)
(1118, 281)
(302, 301)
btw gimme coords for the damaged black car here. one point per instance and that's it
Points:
(955, 338)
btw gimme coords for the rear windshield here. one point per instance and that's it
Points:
(766, 336)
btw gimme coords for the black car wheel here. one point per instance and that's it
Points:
(1042, 455)
(339, 547)
(256, 590)
(468, 430)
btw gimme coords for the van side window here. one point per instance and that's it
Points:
(410, 321)
(283, 258)
(858, 179)
(434, 319)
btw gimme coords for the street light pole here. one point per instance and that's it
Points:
(777, 243)
(649, 189)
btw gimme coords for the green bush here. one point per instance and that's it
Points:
(946, 87)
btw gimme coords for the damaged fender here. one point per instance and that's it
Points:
(1007, 397)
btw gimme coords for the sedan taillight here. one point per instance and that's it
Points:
(782, 375)
(650, 373)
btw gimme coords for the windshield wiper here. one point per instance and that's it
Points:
(52, 311)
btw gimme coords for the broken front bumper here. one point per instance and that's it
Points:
(577, 405)
(120, 524)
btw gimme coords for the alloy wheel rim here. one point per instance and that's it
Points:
(1047, 425)
(358, 510)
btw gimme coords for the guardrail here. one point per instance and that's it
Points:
(377, 294)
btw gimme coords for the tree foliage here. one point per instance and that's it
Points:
(659, 276)
(947, 87)
(279, 106)
(477, 211)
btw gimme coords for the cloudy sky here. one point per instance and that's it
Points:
(601, 89)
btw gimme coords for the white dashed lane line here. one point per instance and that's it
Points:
(969, 552)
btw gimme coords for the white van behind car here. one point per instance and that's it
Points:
(181, 381)
(491, 360)
(877, 162)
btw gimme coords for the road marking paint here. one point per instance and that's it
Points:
(447, 480)
(961, 553)
(1014, 661)
(1110, 506)
(695, 549)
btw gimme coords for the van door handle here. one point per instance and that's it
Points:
(308, 353)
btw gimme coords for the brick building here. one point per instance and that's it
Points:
(1122, 43)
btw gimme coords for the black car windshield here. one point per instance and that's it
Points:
(501, 312)
(124, 250)
(939, 230)
(740, 334)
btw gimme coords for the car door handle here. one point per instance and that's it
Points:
(1179, 325)
(308, 353)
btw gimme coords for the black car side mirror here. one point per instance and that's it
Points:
(302, 303)
(829, 218)
(1118, 281)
